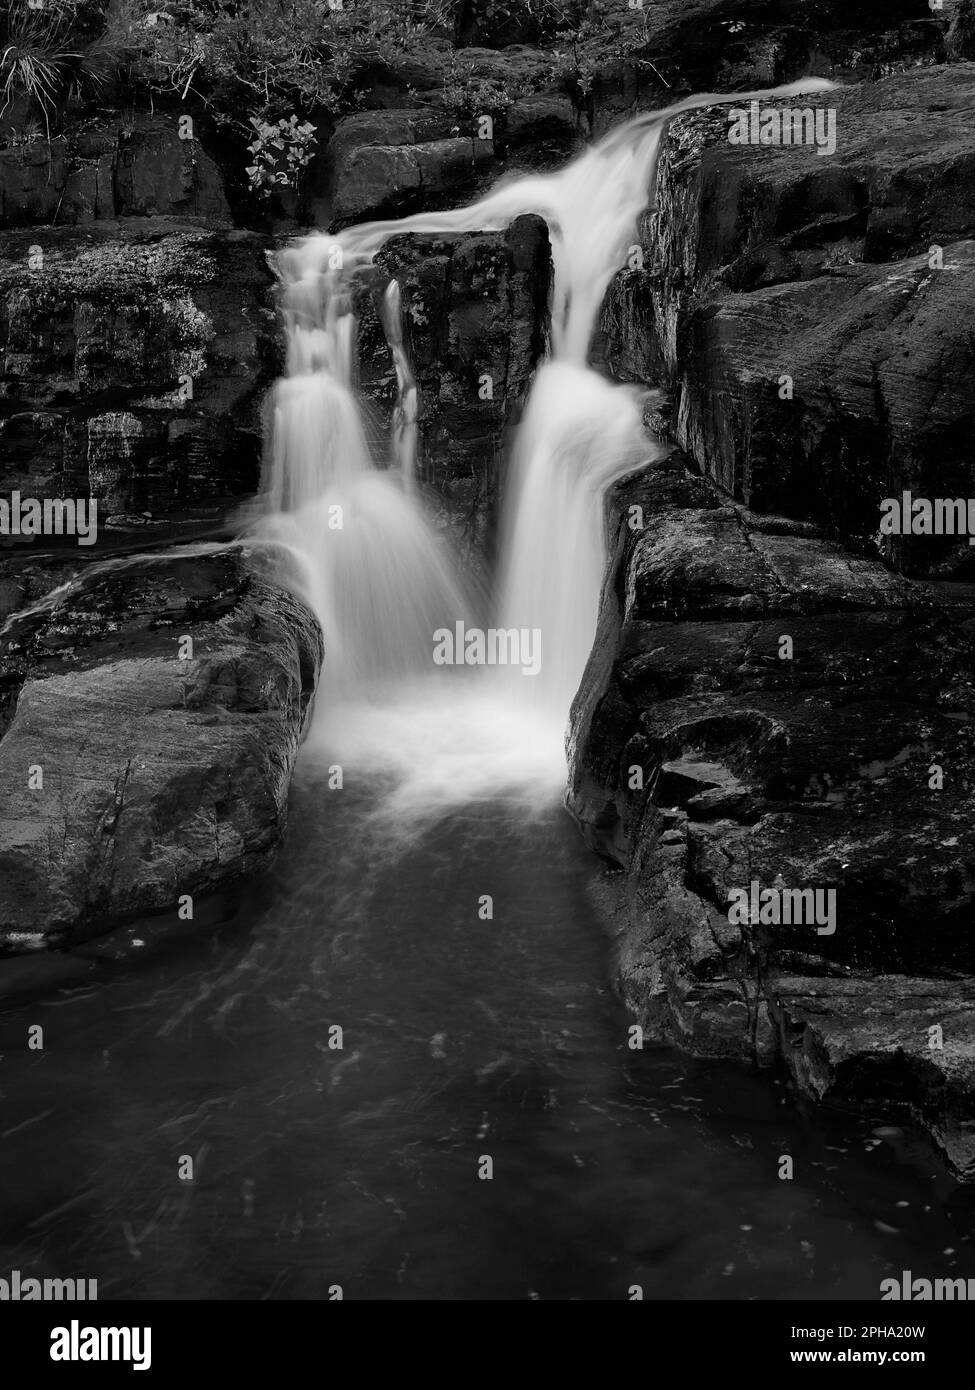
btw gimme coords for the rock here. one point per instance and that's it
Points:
(702, 761)
(396, 161)
(475, 308)
(542, 120)
(161, 777)
(157, 174)
(883, 375)
(519, 69)
(855, 1039)
(105, 168)
(134, 361)
(397, 179)
(960, 39)
(815, 343)
(386, 128)
(650, 55)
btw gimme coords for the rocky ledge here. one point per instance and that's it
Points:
(780, 699)
(150, 721)
(763, 707)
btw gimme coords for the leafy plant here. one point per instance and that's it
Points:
(467, 95)
(529, 21)
(582, 53)
(114, 47)
(281, 150)
(271, 57)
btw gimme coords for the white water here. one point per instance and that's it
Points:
(378, 577)
(385, 582)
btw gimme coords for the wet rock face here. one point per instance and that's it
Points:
(811, 312)
(134, 362)
(475, 306)
(763, 707)
(129, 777)
(475, 313)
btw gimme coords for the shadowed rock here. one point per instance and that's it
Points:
(104, 168)
(812, 313)
(702, 761)
(134, 360)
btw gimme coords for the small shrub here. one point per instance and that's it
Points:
(467, 95)
(281, 150)
(64, 49)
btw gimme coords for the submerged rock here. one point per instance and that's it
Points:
(130, 777)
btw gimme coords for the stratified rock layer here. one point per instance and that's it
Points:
(128, 776)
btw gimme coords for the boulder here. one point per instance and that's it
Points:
(131, 777)
(549, 121)
(391, 162)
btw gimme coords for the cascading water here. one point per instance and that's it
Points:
(373, 569)
(379, 578)
(466, 1032)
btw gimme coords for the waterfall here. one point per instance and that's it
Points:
(378, 575)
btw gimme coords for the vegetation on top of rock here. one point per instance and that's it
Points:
(288, 70)
(55, 51)
(281, 68)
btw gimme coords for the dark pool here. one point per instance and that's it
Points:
(463, 1039)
